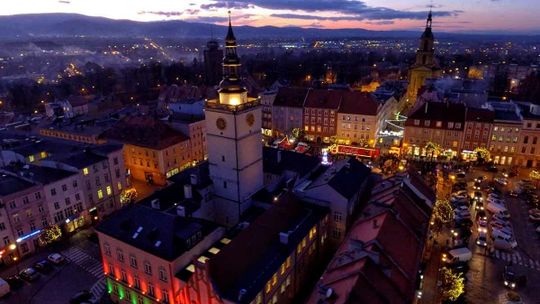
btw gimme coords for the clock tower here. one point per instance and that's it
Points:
(233, 124)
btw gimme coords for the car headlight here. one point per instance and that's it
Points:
(505, 283)
(478, 242)
(513, 285)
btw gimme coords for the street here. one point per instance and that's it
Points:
(83, 268)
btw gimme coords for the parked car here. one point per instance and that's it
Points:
(481, 214)
(482, 226)
(462, 254)
(535, 217)
(492, 168)
(513, 193)
(503, 214)
(43, 266)
(504, 244)
(56, 258)
(83, 296)
(501, 233)
(29, 274)
(511, 278)
(15, 282)
(495, 208)
(534, 211)
(4, 288)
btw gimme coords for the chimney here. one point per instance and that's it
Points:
(284, 238)
(194, 179)
(188, 192)
(181, 211)
(155, 203)
(426, 107)
(279, 156)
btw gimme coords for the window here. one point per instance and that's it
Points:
(336, 233)
(98, 181)
(458, 125)
(16, 218)
(165, 296)
(417, 122)
(133, 261)
(12, 205)
(68, 201)
(535, 139)
(100, 194)
(526, 140)
(115, 160)
(439, 124)
(151, 291)
(532, 150)
(162, 274)
(136, 282)
(53, 191)
(2, 226)
(75, 184)
(64, 187)
(124, 275)
(109, 190)
(20, 232)
(120, 255)
(78, 196)
(119, 185)
(37, 195)
(107, 249)
(147, 268)
(56, 205)
(337, 217)
(85, 171)
(31, 158)
(224, 185)
(222, 158)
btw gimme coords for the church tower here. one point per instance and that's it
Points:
(233, 124)
(424, 66)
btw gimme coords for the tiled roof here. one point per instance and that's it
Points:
(161, 234)
(145, 131)
(290, 97)
(325, 99)
(480, 115)
(358, 103)
(250, 260)
(43, 175)
(438, 111)
(276, 161)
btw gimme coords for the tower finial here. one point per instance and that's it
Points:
(230, 18)
(230, 35)
(429, 18)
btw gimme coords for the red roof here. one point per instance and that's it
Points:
(291, 97)
(324, 99)
(145, 131)
(358, 103)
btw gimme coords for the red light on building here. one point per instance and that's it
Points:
(354, 151)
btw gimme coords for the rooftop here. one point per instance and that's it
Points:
(361, 103)
(12, 184)
(145, 131)
(277, 161)
(165, 235)
(438, 111)
(479, 115)
(290, 97)
(43, 175)
(250, 260)
(326, 99)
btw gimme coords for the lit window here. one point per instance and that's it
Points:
(43, 154)
(31, 158)
(119, 185)
(213, 250)
(85, 171)
(109, 190)
(100, 194)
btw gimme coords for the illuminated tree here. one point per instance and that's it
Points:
(298, 133)
(452, 284)
(482, 154)
(432, 149)
(50, 235)
(128, 196)
(476, 73)
(535, 176)
(442, 215)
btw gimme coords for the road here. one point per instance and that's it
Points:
(83, 270)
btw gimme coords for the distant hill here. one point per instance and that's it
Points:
(69, 25)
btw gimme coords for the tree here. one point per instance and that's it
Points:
(432, 149)
(482, 154)
(442, 215)
(452, 284)
(50, 235)
(128, 196)
(535, 176)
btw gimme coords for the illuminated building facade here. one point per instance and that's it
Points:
(357, 119)
(143, 250)
(233, 125)
(320, 114)
(24, 215)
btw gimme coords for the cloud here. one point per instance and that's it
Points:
(313, 17)
(381, 22)
(352, 10)
(64, 1)
(207, 19)
(171, 13)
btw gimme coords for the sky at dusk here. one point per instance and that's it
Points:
(449, 15)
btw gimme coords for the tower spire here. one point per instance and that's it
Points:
(230, 39)
(429, 18)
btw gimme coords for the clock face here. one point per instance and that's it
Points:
(250, 119)
(221, 124)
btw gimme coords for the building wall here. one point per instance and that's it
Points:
(477, 134)
(67, 135)
(25, 212)
(320, 124)
(528, 151)
(415, 139)
(122, 273)
(66, 203)
(285, 119)
(356, 129)
(504, 142)
(147, 164)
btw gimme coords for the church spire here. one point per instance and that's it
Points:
(230, 39)
(231, 63)
(428, 21)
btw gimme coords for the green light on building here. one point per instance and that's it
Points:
(109, 286)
